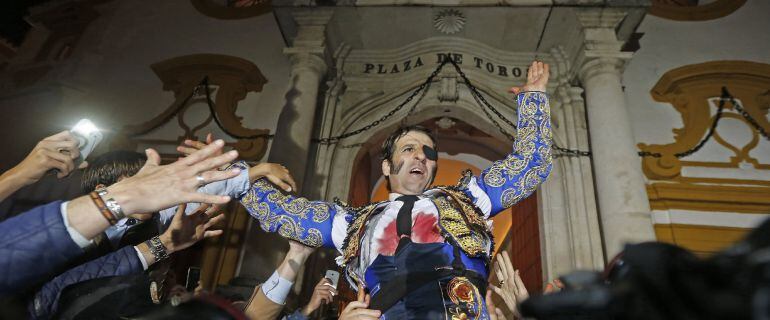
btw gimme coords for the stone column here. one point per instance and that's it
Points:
(623, 203)
(292, 142)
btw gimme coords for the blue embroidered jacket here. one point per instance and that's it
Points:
(507, 181)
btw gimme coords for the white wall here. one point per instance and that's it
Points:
(668, 44)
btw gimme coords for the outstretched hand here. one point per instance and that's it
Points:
(156, 187)
(537, 78)
(511, 288)
(185, 230)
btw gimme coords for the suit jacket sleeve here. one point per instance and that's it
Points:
(262, 308)
(119, 263)
(34, 245)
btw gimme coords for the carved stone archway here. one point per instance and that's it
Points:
(367, 87)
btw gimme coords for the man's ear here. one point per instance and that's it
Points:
(99, 186)
(386, 167)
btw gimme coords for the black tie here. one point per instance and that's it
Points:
(404, 220)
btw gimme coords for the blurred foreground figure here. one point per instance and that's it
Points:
(663, 281)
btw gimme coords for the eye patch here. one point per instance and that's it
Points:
(430, 153)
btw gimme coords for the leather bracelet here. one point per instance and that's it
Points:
(106, 213)
(157, 248)
(111, 204)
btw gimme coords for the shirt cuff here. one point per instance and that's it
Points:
(141, 258)
(78, 238)
(277, 289)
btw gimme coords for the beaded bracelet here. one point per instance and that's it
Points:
(157, 248)
(103, 208)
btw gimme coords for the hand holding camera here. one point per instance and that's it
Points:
(57, 152)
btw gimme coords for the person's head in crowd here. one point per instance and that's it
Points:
(111, 167)
(409, 160)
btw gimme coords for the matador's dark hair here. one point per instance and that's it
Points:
(108, 167)
(390, 144)
(390, 141)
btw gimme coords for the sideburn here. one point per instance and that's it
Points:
(397, 168)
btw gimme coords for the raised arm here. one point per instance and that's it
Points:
(514, 178)
(295, 218)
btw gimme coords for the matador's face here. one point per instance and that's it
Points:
(411, 172)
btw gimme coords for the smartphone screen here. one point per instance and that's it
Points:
(193, 277)
(333, 276)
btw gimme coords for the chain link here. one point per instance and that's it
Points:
(420, 88)
(748, 117)
(720, 110)
(480, 100)
(204, 84)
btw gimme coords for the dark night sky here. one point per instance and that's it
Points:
(12, 24)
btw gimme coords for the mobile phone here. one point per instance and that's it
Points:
(333, 277)
(88, 136)
(193, 277)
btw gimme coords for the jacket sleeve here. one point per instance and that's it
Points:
(34, 245)
(514, 178)
(119, 263)
(296, 218)
(260, 307)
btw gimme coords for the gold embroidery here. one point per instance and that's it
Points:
(532, 153)
(295, 208)
(461, 227)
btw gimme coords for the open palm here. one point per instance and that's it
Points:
(537, 78)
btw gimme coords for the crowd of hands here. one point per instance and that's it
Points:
(156, 187)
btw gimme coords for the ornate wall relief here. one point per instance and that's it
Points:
(230, 79)
(698, 198)
(693, 91)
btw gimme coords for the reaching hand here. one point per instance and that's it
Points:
(191, 146)
(55, 152)
(185, 230)
(513, 290)
(276, 173)
(537, 78)
(322, 294)
(156, 187)
(357, 309)
(494, 312)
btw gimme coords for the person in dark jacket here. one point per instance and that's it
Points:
(40, 241)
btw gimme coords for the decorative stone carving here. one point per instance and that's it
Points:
(693, 91)
(232, 78)
(445, 123)
(449, 21)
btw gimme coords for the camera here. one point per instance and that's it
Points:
(88, 136)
